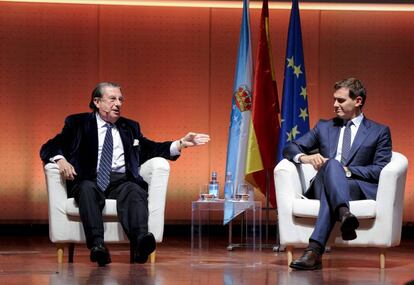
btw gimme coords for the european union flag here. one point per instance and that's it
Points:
(295, 113)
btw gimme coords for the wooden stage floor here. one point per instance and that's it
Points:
(32, 260)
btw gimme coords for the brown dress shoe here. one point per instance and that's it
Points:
(349, 223)
(310, 260)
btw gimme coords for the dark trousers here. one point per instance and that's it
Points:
(131, 203)
(334, 190)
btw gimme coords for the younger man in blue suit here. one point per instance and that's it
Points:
(99, 155)
(349, 153)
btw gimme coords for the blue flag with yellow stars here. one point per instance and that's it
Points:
(295, 114)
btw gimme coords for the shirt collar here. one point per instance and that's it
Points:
(358, 120)
(100, 122)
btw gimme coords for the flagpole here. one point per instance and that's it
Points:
(267, 205)
(274, 246)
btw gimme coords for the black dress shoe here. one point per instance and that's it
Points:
(310, 260)
(100, 254)
(349, 223)
(145, 246)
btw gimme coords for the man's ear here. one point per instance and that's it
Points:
(96, 101)
(358, 101)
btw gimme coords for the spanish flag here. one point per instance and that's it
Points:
(264, 124)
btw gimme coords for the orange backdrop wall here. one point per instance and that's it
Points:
(176, 66)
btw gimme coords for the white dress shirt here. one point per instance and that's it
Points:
(118, 160)
(354, 128)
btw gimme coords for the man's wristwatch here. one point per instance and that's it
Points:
(348, 173)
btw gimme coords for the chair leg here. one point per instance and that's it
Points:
(71, 252)
(60, 247)
(382, 258)
(289, 253)
(131, 254)
(152, 256)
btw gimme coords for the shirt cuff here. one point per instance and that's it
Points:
(56, 158)
(296, 158)
(174, 148)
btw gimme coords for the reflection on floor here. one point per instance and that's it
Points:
(32, 260)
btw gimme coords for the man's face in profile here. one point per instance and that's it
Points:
(109, 106)
(345, 107)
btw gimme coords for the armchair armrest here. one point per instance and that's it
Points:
(156, 172)
(390, 195)
(287, 186)
(287, 183)
(57, 196)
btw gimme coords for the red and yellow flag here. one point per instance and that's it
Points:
(264, 124)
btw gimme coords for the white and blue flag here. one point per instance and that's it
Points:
(240, 112)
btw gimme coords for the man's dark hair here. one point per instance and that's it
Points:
(355, 88)
(98, 92)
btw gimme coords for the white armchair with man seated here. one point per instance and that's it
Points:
(65, 227)
(380, 220)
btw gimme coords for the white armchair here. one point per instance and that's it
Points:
(65, 227)
(380, 219)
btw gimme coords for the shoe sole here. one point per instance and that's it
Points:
(298, 267)
(145, 248)
(349, 235)
(348, 228)
(101, 257)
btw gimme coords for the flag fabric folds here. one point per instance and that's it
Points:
(240, 112)
(264, 127)
(295, 113)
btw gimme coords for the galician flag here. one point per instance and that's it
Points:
(240, 111)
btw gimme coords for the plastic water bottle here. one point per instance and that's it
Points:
(228, 187)
(213, 186)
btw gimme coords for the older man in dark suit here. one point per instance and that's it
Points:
(349, 153)
(99, 154)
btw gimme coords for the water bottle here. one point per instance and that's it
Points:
(213, 186)
(228, 187)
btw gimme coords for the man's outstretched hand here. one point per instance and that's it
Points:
(193, 139)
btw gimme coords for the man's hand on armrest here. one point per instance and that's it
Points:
(66, 169)
(316, 160)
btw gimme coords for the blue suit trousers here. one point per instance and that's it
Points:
(333, 189)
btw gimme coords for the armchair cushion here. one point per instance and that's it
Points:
(309, 208)
(108, 211)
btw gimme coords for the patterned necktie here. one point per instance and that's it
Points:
(105, 164)
(346, 142)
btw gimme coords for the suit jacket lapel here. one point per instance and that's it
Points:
(130, 154)
(360, 136)
(92, 133)
(334, 137)
(125, 138)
